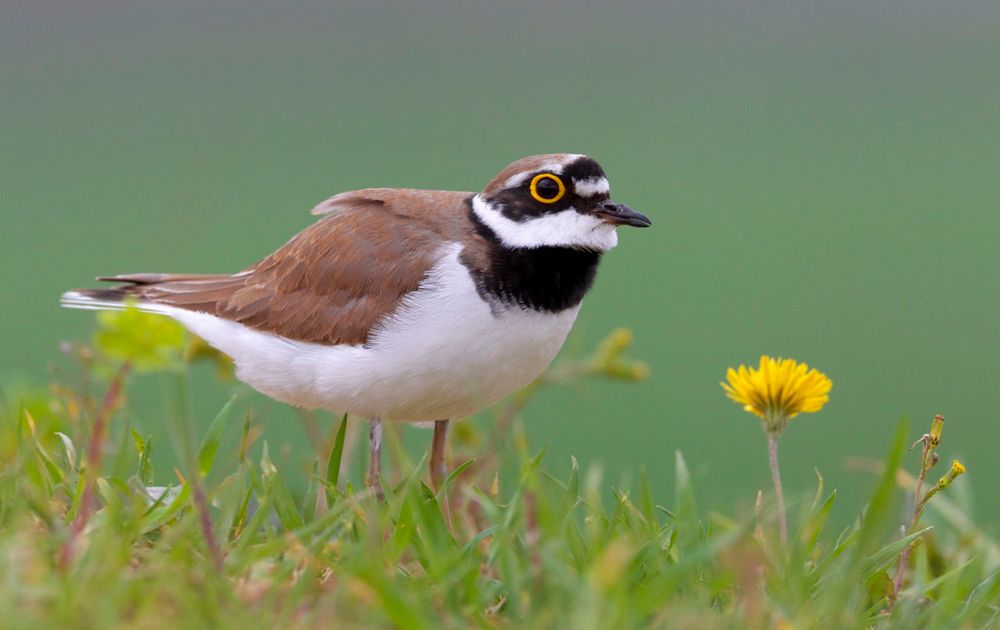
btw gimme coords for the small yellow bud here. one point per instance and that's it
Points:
(620, 338)
(937, 426)
(613, 345)
(956, 469)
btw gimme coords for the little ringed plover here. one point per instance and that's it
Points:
(405, 305)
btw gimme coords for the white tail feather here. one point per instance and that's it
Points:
(75, 299)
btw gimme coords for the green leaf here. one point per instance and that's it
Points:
(986, 593)
(527, 471)
(107, 492)
(811, 529)
(48, 463)
(336, 455)
(137, 440)
(880, 505)
(145, 469)
(210, 444)
(240, 517)
(256, 522)
(572, 496)
(161, 512)
(683, 490)
(475, 541)
(284, 505)
(403, 527)
(78, 490)
(944, 577)
(123, 454)
(245, 438)
(819, 490)
(864, 536)
(646, 501)
(696, 554)
(69, 449)
(879, 560)
(149, 342)
(454, 475)
(308, 509)
(688, 527)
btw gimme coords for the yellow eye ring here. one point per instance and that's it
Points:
(543, 176)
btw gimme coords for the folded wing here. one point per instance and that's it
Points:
(330, 284)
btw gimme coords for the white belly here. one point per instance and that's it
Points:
(442, 355)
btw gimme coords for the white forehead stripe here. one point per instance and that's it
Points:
(566, 228)
(591, 186)
(555, 167)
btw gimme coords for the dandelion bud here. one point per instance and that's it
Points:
(620, 338)
(613, 345)
(937, 426)
(956, 470)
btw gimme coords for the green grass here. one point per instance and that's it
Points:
(512, 540)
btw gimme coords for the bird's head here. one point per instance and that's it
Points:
(555, 200)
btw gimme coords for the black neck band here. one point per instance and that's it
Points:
(548, 279)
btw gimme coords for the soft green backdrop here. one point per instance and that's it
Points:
(824, 182)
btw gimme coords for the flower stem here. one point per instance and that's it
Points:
(91, 469)
(926, 461)
(772, 448)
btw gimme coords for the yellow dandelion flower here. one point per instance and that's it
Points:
(778, 390)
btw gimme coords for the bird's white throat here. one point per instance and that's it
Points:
(566, 228)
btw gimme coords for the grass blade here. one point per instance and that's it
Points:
(210, 444)
(881, 559)
(336, 455)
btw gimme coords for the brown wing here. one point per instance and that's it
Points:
(333, 281)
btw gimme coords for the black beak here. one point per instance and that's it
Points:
(620, 214)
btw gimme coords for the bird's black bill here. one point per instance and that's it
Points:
(620, 214)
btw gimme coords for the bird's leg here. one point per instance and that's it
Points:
(437, 464)
(374, 477)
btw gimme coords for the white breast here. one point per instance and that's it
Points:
(442, 355)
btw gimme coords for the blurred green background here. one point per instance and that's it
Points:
(824, 182)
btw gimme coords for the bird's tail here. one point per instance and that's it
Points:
(134, 291)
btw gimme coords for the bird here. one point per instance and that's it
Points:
(404, 305)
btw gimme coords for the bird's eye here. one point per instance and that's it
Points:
(547, 188)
